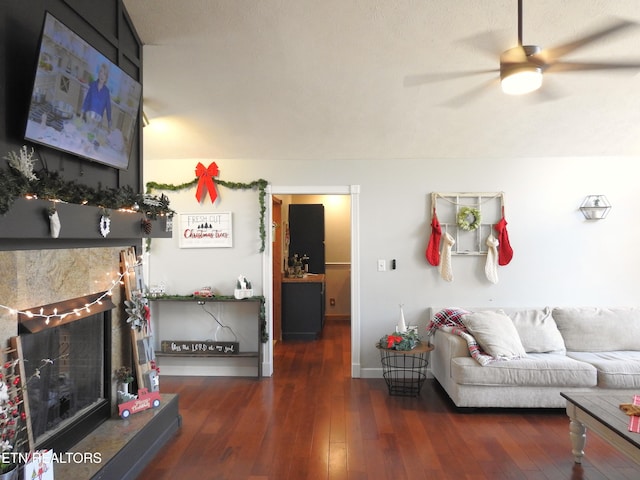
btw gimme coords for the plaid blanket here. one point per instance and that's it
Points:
(634, 421)
(450, 320)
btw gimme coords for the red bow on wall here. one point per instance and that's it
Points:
(205, 181)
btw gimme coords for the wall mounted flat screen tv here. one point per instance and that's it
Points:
(81, 102)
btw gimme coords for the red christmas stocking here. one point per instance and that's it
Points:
(433, 249)
(505, 252)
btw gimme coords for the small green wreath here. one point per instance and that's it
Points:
(469, 218)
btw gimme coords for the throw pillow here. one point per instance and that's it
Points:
(495, 333)
(594, 329)
(537, 330)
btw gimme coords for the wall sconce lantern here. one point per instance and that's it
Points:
(595, 207)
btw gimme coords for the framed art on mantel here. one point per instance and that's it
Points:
(205, 230)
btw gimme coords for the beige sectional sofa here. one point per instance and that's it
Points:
(538, 354)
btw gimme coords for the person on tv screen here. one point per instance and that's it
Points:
(98, 98)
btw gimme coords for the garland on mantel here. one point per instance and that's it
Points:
(260, 184)
(19, 180)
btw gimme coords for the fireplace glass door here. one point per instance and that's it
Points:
(61, 392)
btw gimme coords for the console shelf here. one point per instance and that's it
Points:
(192, 299)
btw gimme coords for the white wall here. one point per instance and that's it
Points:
(559, 258)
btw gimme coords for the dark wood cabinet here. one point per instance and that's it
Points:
(306, 229)
(302, 308)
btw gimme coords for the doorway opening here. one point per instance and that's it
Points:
(342, 259)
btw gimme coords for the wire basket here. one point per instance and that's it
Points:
(404, 372)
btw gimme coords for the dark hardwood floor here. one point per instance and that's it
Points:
(312, 421)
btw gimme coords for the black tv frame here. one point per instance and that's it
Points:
(66, 66)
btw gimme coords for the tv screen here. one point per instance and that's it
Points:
(81, 102)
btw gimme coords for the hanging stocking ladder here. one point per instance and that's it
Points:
(447, 206)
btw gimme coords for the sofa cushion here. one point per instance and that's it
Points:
(535, 369)
(495, 333)
(615, 369)
(537, 330)
(591, 329)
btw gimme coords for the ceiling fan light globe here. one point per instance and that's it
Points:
(521, 80)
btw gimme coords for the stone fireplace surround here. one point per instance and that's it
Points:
(41, 277)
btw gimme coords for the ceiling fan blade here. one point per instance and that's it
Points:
(471, 95)
(489, 43)
(549, 55)
(421, 79)
(558, 67)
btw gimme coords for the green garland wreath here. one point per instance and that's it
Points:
(464, 216)
(260, 184)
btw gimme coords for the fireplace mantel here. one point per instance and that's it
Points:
(28, 219)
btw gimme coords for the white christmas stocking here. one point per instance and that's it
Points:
(445, 258)
(54, 224)
(491, 267)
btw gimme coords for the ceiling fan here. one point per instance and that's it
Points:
(522, 67)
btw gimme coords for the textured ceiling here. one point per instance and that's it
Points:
(354, 79)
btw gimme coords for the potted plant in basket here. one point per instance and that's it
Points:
(400, 341)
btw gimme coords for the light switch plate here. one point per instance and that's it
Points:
(382, 265)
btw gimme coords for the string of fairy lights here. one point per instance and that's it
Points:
(55, 314)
